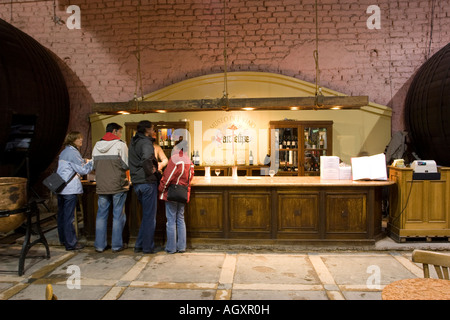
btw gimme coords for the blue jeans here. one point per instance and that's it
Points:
(65, 218)
(119, 219)
(175, 227)
(147, 195)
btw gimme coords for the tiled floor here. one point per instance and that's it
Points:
(203, 275)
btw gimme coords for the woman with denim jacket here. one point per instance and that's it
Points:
(70, 163)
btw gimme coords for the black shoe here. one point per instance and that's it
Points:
(78, 246)
(137, 250)
(118, 250)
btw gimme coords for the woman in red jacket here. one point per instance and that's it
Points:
(180, 171)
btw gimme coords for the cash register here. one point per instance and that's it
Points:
(425, 170)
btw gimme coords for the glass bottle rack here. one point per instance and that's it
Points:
(299, 145)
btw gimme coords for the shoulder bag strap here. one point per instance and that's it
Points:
(73, 176)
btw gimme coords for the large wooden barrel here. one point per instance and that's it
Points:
(13, 196)
(427, 109)
(34, 104)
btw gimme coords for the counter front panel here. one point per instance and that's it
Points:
(264, 209)
(284, 208)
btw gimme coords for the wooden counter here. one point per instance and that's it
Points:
(265, 210)
(284, 209)
(303, 181)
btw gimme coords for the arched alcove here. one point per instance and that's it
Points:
(367, 129)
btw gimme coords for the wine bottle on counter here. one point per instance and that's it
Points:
(250, 158)
(197, 159)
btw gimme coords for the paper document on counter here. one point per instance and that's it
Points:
(345, 173)
(369, 168)
(329, 167)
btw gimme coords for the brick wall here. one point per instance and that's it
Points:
(184, 39)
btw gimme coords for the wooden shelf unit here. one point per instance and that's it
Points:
(311, 139)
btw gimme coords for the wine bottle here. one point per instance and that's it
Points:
(197, 159)
(250, 158)
(166, 143)
(321, 142)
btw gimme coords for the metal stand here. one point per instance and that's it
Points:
(30, 210)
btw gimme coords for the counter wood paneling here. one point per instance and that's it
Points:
(419, 208)
(284, 208)
(265, 210)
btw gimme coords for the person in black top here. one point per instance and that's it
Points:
(143, 165)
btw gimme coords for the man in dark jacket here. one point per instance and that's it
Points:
(143, 165)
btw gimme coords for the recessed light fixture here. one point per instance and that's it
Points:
(248, 109)
(161, 111)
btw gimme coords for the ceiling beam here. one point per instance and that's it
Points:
(279, 103)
